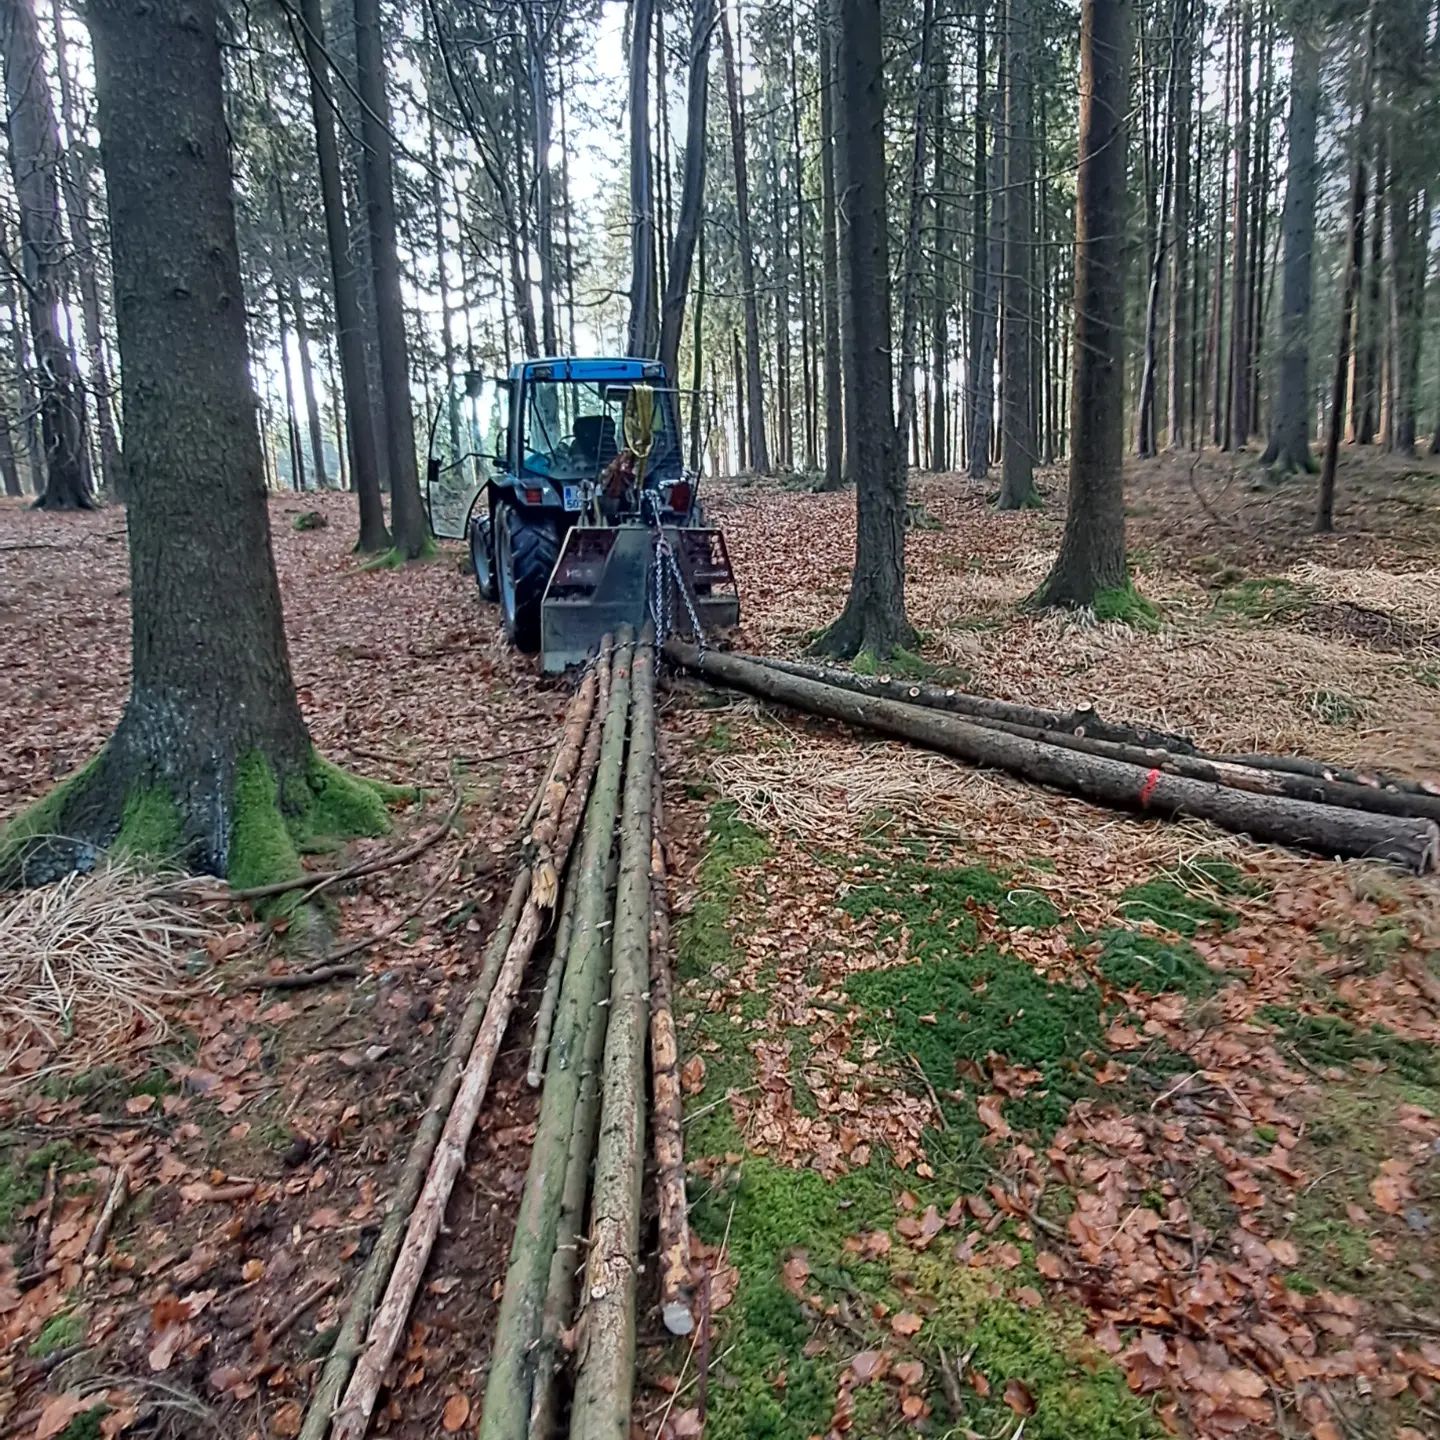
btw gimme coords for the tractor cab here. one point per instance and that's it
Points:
(568, 478)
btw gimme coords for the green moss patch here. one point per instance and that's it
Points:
(61, 1330)
(1126, 605)
(1131, 961)
(1330, 1040)
(1188, 899)
(937, 906)
(1265, 599)
(703, 942)
(46, 817)
(270, 828)
(969, 1006)
(150, 827)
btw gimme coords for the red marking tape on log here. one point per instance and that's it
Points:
(1148, 788)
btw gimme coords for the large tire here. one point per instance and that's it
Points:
(482, 554)
(525, 554)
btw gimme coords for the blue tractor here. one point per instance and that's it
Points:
(568, 480)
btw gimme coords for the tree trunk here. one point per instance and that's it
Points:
(349, 321)
(874, 616)
(1177, 373)
(1289, 447)
(910, 281)
(640, 338)
(979, 262)
(9, 471)
(1148, 424)
(810, 426)
(75, 180)
(1370, 314)
(292, 423)
(537, 26)
(1325, 511)
(692, 193)
(757, 448)
(939, 275)
(35, 166)
(605, 1379)
(211, 738)
(1324, 829)
(1017, 470)
(1092, 549)
(1214, 354)
(1238, 404)
(829, 254)
(983, 433)
(408, 524)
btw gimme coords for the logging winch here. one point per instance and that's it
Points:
(569, 480)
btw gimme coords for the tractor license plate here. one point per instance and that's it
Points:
(572, 497)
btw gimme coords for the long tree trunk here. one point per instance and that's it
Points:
(979, 256)
(1325, 511)
(292, 421)
(75, 180)
(757, 447)
(35, 167)
(1369, 313)
(211, 735)
(939, 274)
(983, 429)
(537, 24)
(1289, 446)
(349, 320)
(874, 616)
(1214, 353)
(810, 427)
(641, 338)
(1147, 428)
(407, 513)
(1177, 372)
(692, 192)
(829, 256)
(1092, 549)
(296, 306)
(910, 276)
(1017, 468)
(1238, 429)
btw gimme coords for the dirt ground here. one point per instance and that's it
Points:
(1008, 1116)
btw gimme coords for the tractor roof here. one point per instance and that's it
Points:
(566, 367)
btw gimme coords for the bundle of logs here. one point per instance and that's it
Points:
(593, 864)
(1286, 800)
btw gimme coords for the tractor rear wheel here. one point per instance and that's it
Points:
(482, 554)
(525, 554)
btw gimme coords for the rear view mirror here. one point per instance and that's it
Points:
(474, 383)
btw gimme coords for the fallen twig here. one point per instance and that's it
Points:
(114, 1199)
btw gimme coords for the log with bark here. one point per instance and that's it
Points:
(676, 1299)
(423, 1222)
(381, 1261)
(1084, 723)
(605, 1379)
(508, 1389)
(1324, 829)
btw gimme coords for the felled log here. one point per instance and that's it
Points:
(667, 1122)
(512, 1364)
(1323, 829)
(565, 1264)
(1320, 790)
(352, 1419)
(381, 1262)
(605, 1379)
(1083, 720)
(1084, 724)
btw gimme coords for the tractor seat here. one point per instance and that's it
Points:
(595, 439)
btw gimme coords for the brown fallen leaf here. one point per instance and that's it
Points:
(692, 1075)
(865, 1365)
(57, 1413)
(1018, 1397)
(687, 1425)
(288, 1419)
(988, 1110)
(908, 1372)
(796, 1271)
(456, 1413)
(907, 1322)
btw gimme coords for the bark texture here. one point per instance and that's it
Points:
(211, 697)
(35, 163)
(874, 614)
(1289, 444)
(1092, 549)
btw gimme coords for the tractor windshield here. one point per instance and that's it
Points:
(573, 429)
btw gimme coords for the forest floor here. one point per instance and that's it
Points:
(1007, 1116)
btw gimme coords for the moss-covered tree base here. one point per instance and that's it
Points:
(252, 830)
